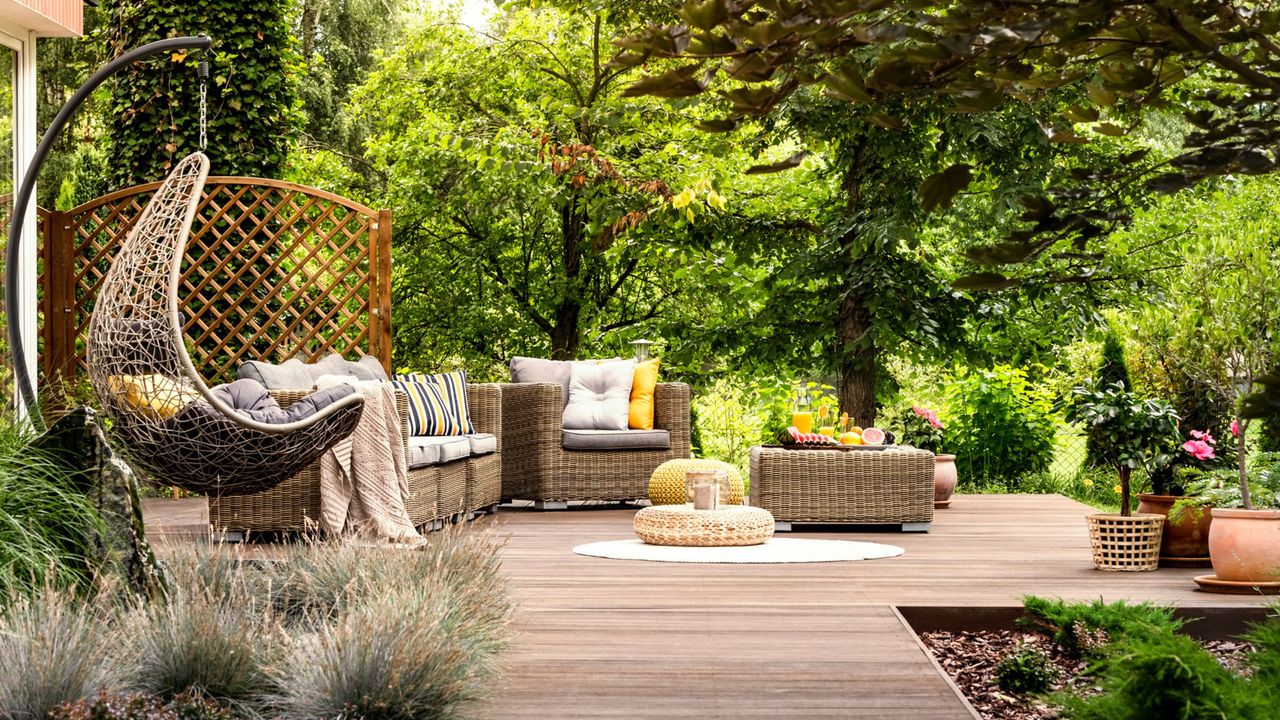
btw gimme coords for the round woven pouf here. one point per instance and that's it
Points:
(666, 484)
(684, 526)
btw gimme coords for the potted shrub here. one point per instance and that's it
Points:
(1186, 529)
(1136, 433)
(922, 429)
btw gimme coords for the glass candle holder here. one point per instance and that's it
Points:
(702, 489)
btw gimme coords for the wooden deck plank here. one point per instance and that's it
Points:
(601, 638)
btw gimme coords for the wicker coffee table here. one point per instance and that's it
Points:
(893, 486)
(684, 526)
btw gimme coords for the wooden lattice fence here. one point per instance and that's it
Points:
(273, 270)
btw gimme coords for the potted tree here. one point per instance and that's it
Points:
(1136, 433)
(922, 429)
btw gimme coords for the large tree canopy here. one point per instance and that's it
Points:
(976, 56)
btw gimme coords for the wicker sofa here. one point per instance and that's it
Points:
(438, 492)
(537, 466)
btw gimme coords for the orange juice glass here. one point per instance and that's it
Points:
(803, 421)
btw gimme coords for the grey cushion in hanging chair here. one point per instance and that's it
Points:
(251, 399)
(170, 423)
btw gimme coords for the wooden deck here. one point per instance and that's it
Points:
(606, 638)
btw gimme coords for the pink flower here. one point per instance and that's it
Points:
(927, 414)
(1203, 435)
(1235, 428)
(1199, 449)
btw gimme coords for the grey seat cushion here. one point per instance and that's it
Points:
(427, 450)
(250, 399)
(616, 440)
(482, 443)
(293, 374)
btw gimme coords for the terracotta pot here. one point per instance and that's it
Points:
(1185, 541)
(1245, 545)
(944, 479)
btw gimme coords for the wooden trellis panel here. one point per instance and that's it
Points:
(273, 270)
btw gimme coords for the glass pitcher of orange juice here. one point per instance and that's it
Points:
(802, 413)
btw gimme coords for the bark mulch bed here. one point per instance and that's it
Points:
(970, 658)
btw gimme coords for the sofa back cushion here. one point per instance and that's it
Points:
(293, 374)
(642, 390)
(599, 395)
(538, 370)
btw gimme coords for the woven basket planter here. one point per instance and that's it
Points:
(1126, 543)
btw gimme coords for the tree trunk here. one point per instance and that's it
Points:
(307, 30)
(1126, 473)
(855, 349)
(857, 354)
(566, 333)
(1242, 456)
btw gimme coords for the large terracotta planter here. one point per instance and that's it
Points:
(1245, 545)
(1186, 542)
(944, 480)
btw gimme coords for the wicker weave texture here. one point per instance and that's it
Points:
(1126, 543)
(683, 526)
(162, 412)
(453, 488)
(835, 486)
(294, 505)
(535, 465)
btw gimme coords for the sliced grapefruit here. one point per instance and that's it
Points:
(873, 436)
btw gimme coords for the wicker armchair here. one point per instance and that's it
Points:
(536, 466)
(436, 492)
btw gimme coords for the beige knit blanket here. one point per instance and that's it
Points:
(363, 479)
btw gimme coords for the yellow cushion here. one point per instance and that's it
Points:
(642, 387)
(156, 396)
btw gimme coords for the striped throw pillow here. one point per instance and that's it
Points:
(437, 403)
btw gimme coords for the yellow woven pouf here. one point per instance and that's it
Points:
(666, 484)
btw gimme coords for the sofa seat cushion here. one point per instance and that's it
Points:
(427, 450)
(483, 443)
(616, 440)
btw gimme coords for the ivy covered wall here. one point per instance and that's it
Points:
(252, 93)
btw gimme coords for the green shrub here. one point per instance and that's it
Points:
(54, 649)
(1081, 628)
(1160, 674)
(1026, 670)
(999, 426)
(45, 522)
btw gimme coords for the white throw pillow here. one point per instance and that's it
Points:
(599, 396)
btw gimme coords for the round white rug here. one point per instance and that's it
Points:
(776, 550)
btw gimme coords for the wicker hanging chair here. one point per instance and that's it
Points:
(164, 416)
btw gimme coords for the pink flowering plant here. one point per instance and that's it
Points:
(921, 428)
(1137, 432)
(1201, 445)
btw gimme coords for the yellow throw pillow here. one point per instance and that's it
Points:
(642, 387)
(156, 396)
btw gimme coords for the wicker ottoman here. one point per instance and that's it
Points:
(666, 484)
(684, 526)
(856, 487)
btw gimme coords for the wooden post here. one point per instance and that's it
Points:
(383, 327)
